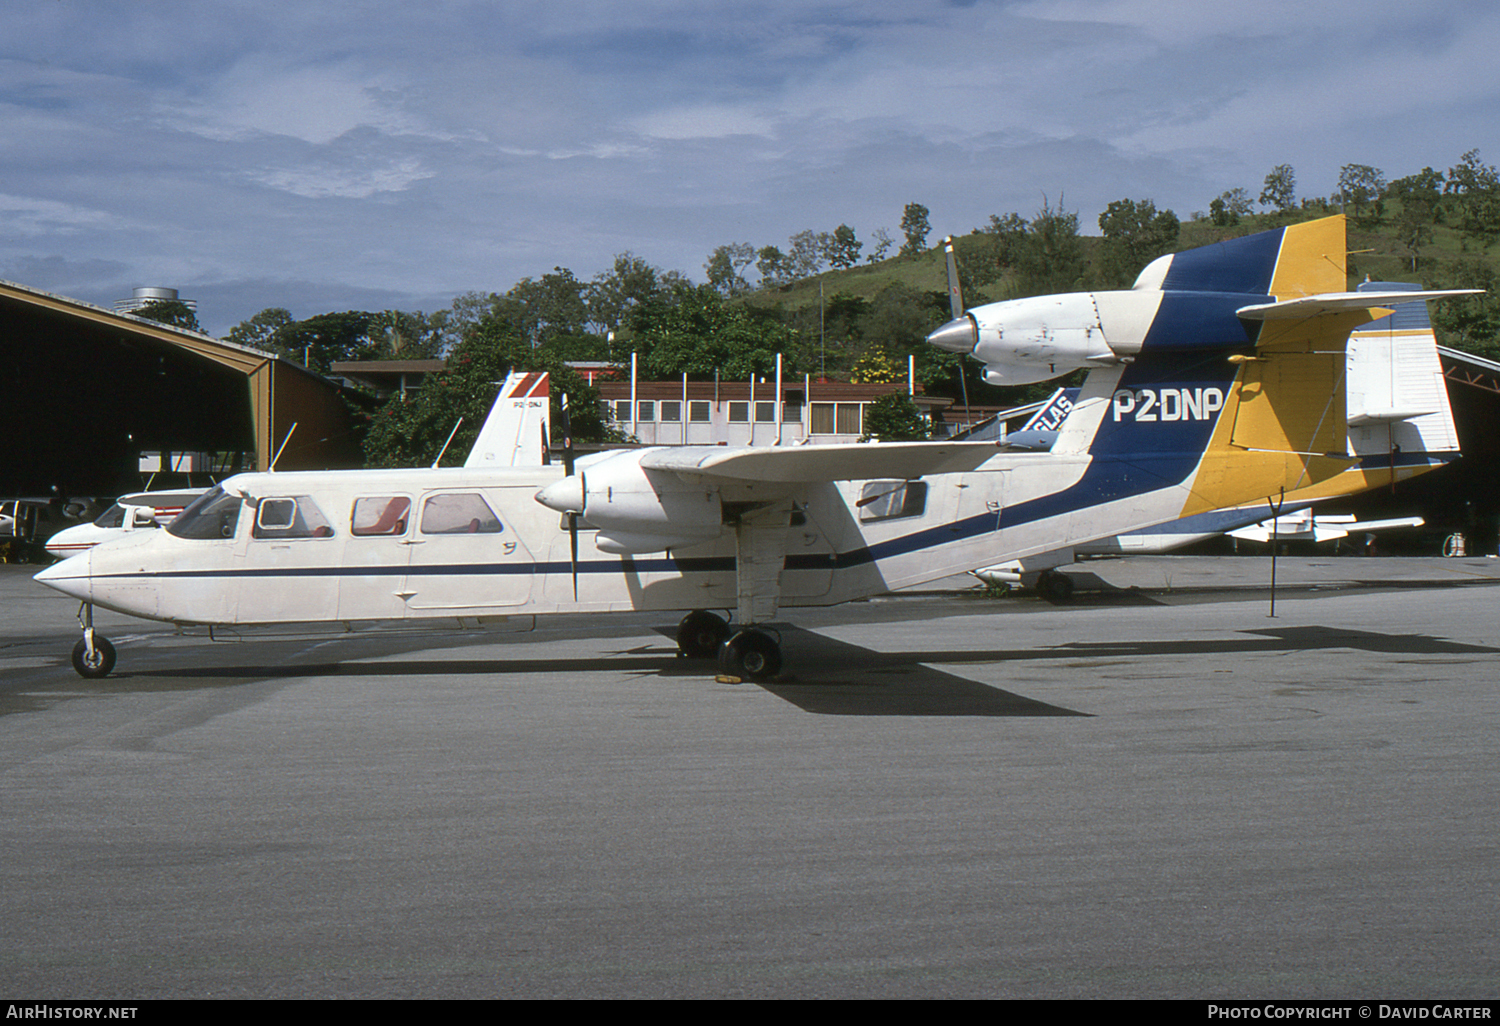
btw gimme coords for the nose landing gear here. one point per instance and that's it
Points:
(94, 656)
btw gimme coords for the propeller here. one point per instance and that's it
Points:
(956, 305)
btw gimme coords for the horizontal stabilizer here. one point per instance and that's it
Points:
(1339, 302)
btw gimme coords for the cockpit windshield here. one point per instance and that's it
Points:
(112, 517)
(213, 515)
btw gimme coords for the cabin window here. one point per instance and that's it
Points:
(891, 500)
(622, 411)
(459, 513)
(290, 517)
(647, 411)
(671, 411)
(739, 413)
(213, 515)
(765, 413)
(698, 411)
(380, 515)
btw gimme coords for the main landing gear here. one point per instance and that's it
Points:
(94, 656)
(749, 654)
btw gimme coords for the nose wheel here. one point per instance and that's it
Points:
(93, 656)
(94, 661)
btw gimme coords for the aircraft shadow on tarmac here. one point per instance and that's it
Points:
(832, 677)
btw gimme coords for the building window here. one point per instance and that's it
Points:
(699, 412)
(671, 411)
(765, 413)
(822, 418)
(648, 411)
(739, 413)
(622, 411)
(848, 419)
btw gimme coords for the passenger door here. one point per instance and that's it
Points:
(464, 558)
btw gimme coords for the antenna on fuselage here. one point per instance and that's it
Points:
(285, 440)
(447, 443)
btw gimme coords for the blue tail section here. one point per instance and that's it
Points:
(1244, 265)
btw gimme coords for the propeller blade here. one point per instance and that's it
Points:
(583, 490)
(567, 426)
(955, 295)
(956, 305)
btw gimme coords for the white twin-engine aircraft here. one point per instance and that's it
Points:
(1218, 380)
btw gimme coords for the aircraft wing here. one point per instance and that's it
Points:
(803, 463)
(1339, 302)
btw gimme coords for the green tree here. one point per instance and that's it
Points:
(1280, 189)
(1360, 185)
(1419, 208)
(895, 418)
(1135, 234)
(727, 265)
(774, 267)
(257, 332)
(321, 341)
(1475, 186)
(697, 332)
(1050, 256)
(915, 226)
(170, 311)
(1469, 323)
(629, 283)
(844, 247)
(537, 309)
(1230, 207)
(410, 431)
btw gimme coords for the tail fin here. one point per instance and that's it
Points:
(519, 419)
(1238, 386)
(1299, 260)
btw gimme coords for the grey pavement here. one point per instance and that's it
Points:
(1159, 791)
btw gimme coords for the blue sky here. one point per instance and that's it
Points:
(366, 155)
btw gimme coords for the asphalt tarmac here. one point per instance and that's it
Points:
(1160, 791)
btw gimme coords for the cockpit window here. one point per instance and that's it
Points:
(112, 517)
(290, 517)
(213, 515)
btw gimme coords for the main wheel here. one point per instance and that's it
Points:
(700, 634)
(751, 654)
(97, 664)
(1055, 588)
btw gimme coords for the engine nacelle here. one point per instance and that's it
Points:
(1022, 341)
(635, 509)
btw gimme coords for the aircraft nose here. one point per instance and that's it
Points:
(959, 335)
(565, 496)
(69, 576)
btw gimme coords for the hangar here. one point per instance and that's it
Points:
(86, 391)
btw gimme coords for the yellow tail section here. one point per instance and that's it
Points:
(1284, 422)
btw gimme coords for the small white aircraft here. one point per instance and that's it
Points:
(1217, 381)
(136, 511)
